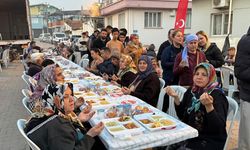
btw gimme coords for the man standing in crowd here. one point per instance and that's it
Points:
(102, 40)
(242, 71)
(165, 44)
(115, 45)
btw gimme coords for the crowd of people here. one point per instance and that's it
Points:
(122, 60)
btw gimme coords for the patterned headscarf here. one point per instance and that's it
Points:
(46, 76)
(130, 66)
(150, 68)
(49, 94)
(212, 83)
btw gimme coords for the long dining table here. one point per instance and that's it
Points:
(140, 138)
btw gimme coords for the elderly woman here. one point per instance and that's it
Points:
(134, 48)
(187, 60)
(35, 64)
(204, 107)
(126, 74)
(56, 126)
(212, 52)
(51, 74)
(146, 85)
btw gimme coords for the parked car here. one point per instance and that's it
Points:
(45, 37)
(59, 37)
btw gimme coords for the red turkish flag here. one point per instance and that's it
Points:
(180, 20)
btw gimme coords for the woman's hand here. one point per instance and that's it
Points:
(83, 117)
(79, 102)
(96, 130)
(171, 92)
(114, 82)
(115, 78)
(87, 109)
(126, 90)
(183, 64)
(207, 101)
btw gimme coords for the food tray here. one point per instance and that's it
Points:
(154, 122)
(123, 126)
(99, 102)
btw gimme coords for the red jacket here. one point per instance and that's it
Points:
(186, 73)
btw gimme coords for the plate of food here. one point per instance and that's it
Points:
(122, 126)
(99, 102)
(154, 122)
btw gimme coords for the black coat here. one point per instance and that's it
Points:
(60, 134)
(167, 63)
(161, 49)
(98, 43)
(211, 126)
(148, 89)
(127, 79)
(242, 66)
(107, 67)
(33, 69)
(214, 55)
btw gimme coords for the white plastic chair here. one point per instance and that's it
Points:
(21, 126)
(225, 78)
(26, 80)
(171, 110)
(33, 82)
(5, 58)
(162, 83)
(26, 93)
(84, 63)
(232, 107)
(25, 102)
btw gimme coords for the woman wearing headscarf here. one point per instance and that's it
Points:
(126, 73)
(204, 107)
(51, 74)
(146, 85)
(134, 48)
(187, 60)
(212, 52)
(54, 125)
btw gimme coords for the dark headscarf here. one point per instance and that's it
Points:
(150, 69)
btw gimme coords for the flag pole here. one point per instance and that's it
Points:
(229, 17)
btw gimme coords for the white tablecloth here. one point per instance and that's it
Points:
(147, 139)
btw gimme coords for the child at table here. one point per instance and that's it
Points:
(204, 107)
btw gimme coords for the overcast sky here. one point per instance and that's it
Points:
(65, 4)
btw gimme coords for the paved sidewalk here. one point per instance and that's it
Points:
(11, 108)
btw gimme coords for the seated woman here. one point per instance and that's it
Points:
(156, 67)
(146, 85)
(51, 74)
(126, 74)
(61, 128)
(97, 59)
(205, 108)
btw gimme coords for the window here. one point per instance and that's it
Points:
(188, 19)
(220, 23)
(152, 19)
(121, 20)
(109, 20)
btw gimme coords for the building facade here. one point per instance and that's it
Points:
(150, 19)
(212, 17)
(39, 18)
